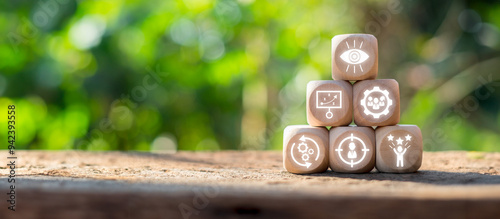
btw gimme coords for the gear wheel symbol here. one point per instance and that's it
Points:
(305, 157)
(303, 147)
(310, 151)
(367, 93)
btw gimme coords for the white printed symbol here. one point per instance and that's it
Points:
(354, 56)
(352, 143)
(376, 102)
(305, 151)
(328, 100)
(399, 149)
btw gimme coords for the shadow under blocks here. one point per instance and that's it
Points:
(430, 177)
(355, 95)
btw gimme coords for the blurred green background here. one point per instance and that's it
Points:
(214, 75)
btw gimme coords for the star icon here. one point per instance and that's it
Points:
(408, 137)
(400, 141)
(390, 137)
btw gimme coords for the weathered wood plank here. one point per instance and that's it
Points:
(72, 184)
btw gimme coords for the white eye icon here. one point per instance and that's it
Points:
(354, 56)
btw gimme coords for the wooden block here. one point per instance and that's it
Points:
(399, 148)
(329, 103)
(354, 57)
(376, 102)
(305, 149)
(352, 149)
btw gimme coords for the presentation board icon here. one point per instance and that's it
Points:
(329, 103)
(328, 100)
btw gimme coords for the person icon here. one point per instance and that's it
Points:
(399, 153)
(352, 154)
(382, 101)
(376, 105)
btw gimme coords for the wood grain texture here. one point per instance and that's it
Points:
(339, 116)
(411, 149)
(342, 135)
(295, 135)
(368, 119)
(74, 184)
(348, 52)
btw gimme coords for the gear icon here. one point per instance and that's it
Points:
(385, 93)
(310, 151)
(303, 147)
(305, 157)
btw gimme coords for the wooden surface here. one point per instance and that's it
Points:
(245, 184)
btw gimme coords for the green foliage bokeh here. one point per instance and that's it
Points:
(212, 75)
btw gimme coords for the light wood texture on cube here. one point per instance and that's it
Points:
(354, 57)
(376, 102)
(329, 103)
(305, 149)
(352, 149)
(399, 148)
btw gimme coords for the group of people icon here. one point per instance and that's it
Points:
(376, 103)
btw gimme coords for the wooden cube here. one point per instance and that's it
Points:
(399, 148)
(329, 103)
(305, 149)
(376, 102)
(352, 149)
(354, 57)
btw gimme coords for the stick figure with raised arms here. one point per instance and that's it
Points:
(400, 149)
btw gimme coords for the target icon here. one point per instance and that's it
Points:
(351, 145)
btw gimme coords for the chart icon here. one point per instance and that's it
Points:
(328, 100)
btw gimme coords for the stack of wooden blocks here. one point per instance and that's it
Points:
(375, 141)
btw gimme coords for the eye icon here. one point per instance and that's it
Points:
(354, 56)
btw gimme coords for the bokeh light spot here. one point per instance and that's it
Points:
(184, 32)
(87, 32)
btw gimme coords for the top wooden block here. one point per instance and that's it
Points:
(354, 57)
